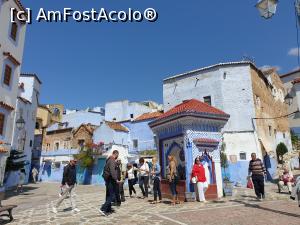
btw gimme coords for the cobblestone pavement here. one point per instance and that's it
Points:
(35, 205)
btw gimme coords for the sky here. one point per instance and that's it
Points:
(88, 64)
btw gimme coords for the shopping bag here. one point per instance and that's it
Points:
(250, 183)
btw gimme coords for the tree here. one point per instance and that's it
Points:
(295, 139)
(85, 156)
(224, 160)
(281, 149)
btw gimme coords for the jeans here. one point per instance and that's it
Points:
(121, 192)
(144, 181)
(68, 191)
(110, 194)
(173, 185)
(131, 184)
(156, 188)
(259, 185)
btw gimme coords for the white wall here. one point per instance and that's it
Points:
(121, 110)
(28, 111)
(233, 95)
(237, 143)
(107, 135)
(9, 94)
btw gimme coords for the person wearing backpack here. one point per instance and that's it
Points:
(110, 175)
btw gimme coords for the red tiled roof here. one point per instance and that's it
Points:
(296, 81)
(147, 116)
(116, 126)
(2, 150)
(6, 106)
(193, 106)
(206, 140)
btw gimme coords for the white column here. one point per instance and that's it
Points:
(218, 172)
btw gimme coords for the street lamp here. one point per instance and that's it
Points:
(267, 8)
(20, 123)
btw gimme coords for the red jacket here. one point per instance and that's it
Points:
(199, 172)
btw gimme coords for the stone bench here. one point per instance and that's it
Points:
(7, 208)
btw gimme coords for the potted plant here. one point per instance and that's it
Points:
(227, 184)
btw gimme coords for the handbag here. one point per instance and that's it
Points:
(194, 180)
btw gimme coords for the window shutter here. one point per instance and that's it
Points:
(7, 75)
(14, 30)
(1, 123)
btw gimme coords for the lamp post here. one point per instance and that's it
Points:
(267, 8)
(20, 123)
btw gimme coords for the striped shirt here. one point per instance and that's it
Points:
(256, 167)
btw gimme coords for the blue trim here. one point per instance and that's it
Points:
(189, 160)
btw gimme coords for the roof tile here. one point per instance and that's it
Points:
(116, 126)
(193, 106)
(147, 116)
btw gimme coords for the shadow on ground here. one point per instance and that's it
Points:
(256, 206)
(26, 191)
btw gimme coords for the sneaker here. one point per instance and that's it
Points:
(75, 210)
(293, 198)
(54, 209)
(102, 212)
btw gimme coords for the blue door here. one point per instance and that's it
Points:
(98, 171)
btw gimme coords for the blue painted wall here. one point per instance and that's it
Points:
(238, 172)
(84, 176)
(141, 131)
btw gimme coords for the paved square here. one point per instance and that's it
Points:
(35, 207)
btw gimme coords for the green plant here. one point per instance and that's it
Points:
(149, 152)
(85, 158)
(224, 160)
(281, 149)
(294, 138)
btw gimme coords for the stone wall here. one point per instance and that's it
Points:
(268, 95)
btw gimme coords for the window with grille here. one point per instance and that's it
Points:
(2, 117)
(7, 75)
(14, 31)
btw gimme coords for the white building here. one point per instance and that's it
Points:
(12, 37)
(124, 110)
(292, 84)
(111, 133)
(27, 103)
(245, 93)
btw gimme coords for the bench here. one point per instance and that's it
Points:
(7, 208)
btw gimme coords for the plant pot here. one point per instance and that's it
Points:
(227, 188)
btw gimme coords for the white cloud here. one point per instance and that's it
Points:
(293, 52)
